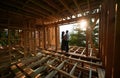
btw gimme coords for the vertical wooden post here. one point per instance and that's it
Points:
(9, 45)
(25, 52)
(56, 39)
(100, 38)
(109, 35)
(39, 38)
(29, 38)
(34, 41)
(30, 41)
(87, 41)
(103, 32)
(44, 37)
(20, 36)
(116, 66)
(48, 37)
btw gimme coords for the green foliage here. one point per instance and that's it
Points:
(95, 37)
(4, 37)
(78, 39)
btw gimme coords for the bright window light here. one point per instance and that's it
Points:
(83, 25)
(1, 47)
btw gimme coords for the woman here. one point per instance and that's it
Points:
(63, 41)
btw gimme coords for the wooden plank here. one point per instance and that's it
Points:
(73, 69)
(79, 55)
(82, 56)
(90, 71)
(30, 60)
(26, 74)
(83, 69)
(41, 68)
(76, 50)
(73, 59)
(101, 73)
(62, 72)
(43, 60)
(83, 51)
(52, 74)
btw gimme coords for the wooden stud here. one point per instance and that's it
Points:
(56, 39)
(117, 42)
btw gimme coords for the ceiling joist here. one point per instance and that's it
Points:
(49, 11)
(78, 7)
(22, 10)
(43, 6)
(66, 6)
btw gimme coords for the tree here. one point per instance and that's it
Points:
(78, 39)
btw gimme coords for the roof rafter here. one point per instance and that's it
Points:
(42, 13)
(80, 10)
(88, 4)
(46, 8)
(37, 11)
(43, 6)
(25, 10)
(18, 13)
(52, 4)
(63, 3)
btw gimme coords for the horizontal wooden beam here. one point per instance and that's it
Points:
(52, 73)
(73, 69)
(26, 74)
(75, 19)
(83, 69)
(80, 56)
(42, 68)
(43, 60)
(74, 59)
(61, 71)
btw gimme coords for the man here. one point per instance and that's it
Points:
(66, 41)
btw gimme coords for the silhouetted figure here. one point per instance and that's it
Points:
(66, 41)
(63, 41)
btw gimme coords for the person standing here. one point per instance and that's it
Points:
(66, 41)
(63, 41)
